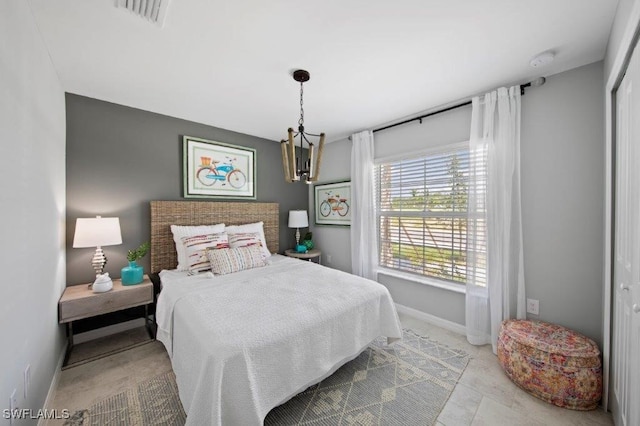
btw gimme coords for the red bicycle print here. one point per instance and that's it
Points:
(210, 172)
(334, 203)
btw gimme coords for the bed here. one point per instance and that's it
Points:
(243, 343)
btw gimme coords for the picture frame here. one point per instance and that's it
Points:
(332, 203)
(218, 170)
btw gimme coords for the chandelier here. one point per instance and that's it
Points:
(302, 167)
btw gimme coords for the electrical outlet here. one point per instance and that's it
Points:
(27, 380)
(533, 306)
(328, 258)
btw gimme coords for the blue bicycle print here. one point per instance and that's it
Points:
(212, 171)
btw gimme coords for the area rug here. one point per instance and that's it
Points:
(406, 383)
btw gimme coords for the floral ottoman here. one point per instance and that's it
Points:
(552, 363)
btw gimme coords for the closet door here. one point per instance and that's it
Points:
(626, 309)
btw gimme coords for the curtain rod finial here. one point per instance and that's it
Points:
(538, 82)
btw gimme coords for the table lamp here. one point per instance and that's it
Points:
(97, 232)
(298, 219)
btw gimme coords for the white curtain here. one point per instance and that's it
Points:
(364, 239)
(495, 219)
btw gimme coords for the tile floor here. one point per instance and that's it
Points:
(484, 395)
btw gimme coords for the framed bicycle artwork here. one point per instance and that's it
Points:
(218, 170)
(332, 202)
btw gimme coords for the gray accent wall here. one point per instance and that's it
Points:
(120, 158)
(333, 241)
(562, 149)
(32, 185)
(562, 169)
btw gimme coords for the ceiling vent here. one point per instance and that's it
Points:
(151, 10)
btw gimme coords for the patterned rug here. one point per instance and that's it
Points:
(406, 383)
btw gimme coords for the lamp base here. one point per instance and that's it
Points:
(102, 287)
(98, 261)
(102, 284)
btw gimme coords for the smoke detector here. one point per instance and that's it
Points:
(151, 10)
(542, 59)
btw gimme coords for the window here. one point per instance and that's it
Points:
(422, 215)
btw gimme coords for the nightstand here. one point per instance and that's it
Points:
(309, 255)
(79, 301)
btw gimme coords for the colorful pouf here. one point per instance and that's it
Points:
(552, 363)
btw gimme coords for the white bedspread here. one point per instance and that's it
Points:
(242, 344)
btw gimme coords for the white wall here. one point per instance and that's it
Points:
(32, 194)
(562, 195)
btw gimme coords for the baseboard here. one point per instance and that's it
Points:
(432, 319)
(54, 385)
(106, 331)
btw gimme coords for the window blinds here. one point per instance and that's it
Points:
(422, 215)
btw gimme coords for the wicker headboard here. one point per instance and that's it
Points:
(167, 213)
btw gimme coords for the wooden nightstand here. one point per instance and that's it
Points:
(309, 255)
(79, 301)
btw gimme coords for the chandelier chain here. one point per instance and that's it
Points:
(301, 120)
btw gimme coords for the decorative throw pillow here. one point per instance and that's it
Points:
(251, 227)
(180, 231)
(196, 248)
(245, 239)
(226, 261)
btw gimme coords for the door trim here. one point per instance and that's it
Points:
(618, 69)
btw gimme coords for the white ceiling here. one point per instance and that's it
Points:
(228, 63)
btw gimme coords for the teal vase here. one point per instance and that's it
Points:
(131, 274)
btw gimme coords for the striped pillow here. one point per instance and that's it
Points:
(257, 227)
(196, 250)
(180, 231)
(230, 260)
(245, 239)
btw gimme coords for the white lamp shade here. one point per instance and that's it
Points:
(298, 219)
(97, 231)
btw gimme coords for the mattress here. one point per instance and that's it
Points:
(244, 343)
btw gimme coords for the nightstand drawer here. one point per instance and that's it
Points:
(79, 302)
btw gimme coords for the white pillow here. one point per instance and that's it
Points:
(244, 239)
(197, 246)
(180, 231)
(250, 227)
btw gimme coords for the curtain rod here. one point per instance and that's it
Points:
(534, 83)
